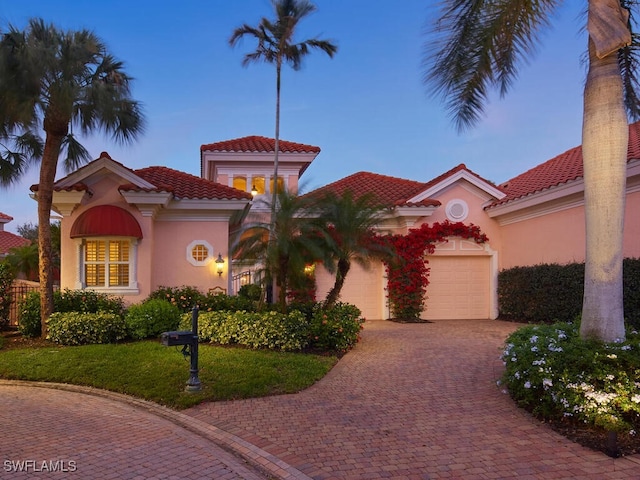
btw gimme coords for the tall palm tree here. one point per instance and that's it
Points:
(478, 45)
(51, 81)
(294, 242)
(276, 45)
(349, 222)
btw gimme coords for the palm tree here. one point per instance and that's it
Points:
(479, 45)
(349, 222)
(294, 243)
(51, 81)
(276, 46)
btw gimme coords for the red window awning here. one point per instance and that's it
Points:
(106, 220)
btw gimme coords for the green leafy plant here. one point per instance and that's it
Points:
(335, 328)
(6, 280)
(183, 297)
(86, 301)
(554, 374)
(151, 318)
(76, 328)
(273, 330)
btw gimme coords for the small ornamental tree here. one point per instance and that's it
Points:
(407, 272)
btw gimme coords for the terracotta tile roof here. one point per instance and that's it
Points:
(561, 169)
(390, 191)
(4, 218)
(10, 240)
(258, 144)
(184, 185)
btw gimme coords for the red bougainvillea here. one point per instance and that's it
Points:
(408, 274)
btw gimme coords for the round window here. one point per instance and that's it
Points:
(457, 210)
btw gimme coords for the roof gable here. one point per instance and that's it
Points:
(256, 143)
(560, 170)
(392, 191)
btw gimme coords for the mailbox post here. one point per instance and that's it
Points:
(189, 340)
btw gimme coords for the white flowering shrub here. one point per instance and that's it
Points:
(77, 328)
(553, 373)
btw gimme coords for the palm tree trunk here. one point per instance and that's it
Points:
(48, 170)
(274, 193)
(605, 139)
(343, 269)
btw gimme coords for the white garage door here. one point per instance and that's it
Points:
(458, 288)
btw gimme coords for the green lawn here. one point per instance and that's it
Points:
(157, 373)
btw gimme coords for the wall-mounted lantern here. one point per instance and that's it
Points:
(254, 191)
(220, 264)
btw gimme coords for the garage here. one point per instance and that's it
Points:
(363, 288)
(459, 287)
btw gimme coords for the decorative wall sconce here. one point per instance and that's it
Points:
(254, 191)
(220, 264)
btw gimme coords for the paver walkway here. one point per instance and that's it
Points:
(413, 401)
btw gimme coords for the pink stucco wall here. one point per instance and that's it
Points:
(559, 237)
(170, 266)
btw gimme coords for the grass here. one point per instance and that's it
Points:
(157, 373)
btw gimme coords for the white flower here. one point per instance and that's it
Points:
(527, 384)
(533, 339)
(538, 362)
(635, 399)
(610, 377)
(546, 383)
(534, 349)
(612, 356)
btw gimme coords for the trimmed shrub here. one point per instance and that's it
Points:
(151, 318)
(76, 328)
(219, 301)
(551, 293)
(271, 330)
(86, 301)
(336, 328)
(6, 279)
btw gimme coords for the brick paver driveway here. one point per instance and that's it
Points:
(413, 401)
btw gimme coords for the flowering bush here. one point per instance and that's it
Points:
(76, 328)
(553, 373)
(336, 328)
(408, 275)
(184, 297)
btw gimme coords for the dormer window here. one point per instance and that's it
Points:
(280, 184)
(240, 183)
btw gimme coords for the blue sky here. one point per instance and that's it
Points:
(366, 108)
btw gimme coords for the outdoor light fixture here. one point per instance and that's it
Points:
(254, 191)
(220, 264)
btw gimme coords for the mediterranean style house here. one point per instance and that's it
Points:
(130, 231)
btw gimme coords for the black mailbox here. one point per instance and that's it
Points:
(170, 339)
(189, 342)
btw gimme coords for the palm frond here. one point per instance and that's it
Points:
(476, 46)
